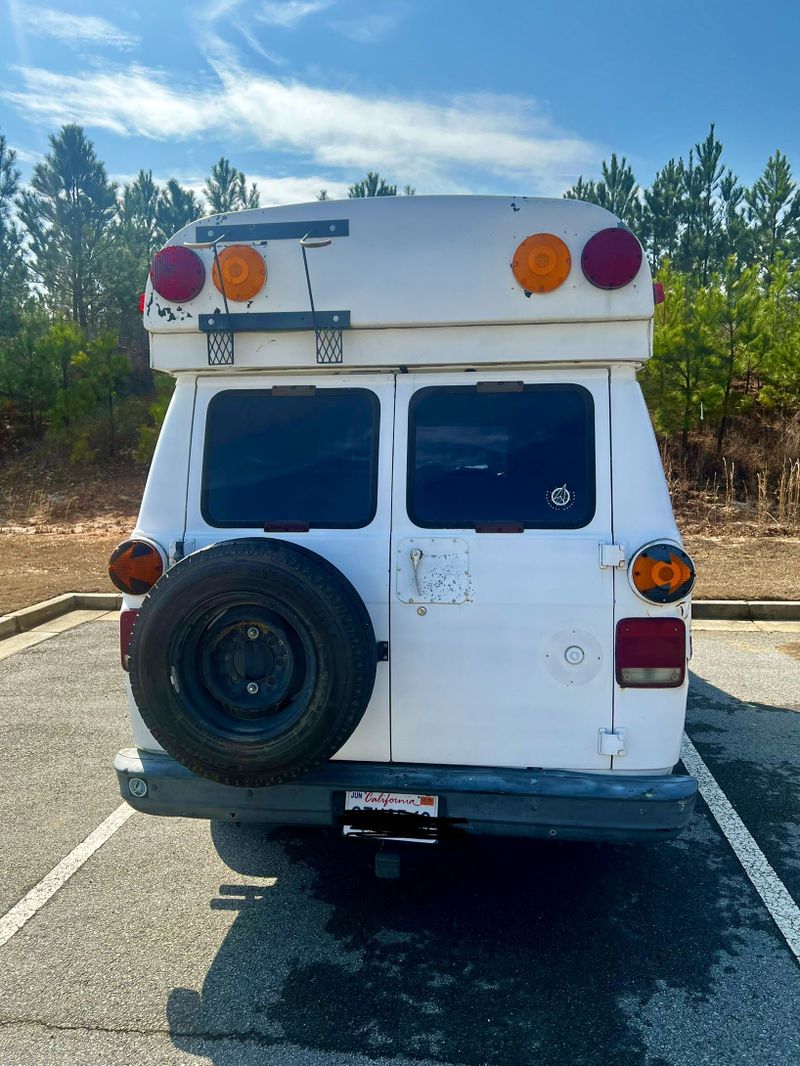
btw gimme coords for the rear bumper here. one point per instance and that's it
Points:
(472, 800)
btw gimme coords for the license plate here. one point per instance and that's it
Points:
(396, 806)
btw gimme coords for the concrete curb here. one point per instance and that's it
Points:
(747, 610)
(47, 610)
(719, 610)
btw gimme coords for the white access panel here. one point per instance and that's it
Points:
(484, 679)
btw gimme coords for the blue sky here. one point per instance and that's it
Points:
(449, 96)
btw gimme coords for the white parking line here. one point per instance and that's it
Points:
(13, 920)
(773, 892)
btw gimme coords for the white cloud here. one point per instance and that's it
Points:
(289, 13)
(427, 143)
(72, 29)
(290, 189)
(370, 26)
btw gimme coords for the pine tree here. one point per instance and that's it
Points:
(773, 208)
(616, 191)
(176, 208)
(372, 185)
(226, 189)
(67, 213)
(13, 272)
(661, 214)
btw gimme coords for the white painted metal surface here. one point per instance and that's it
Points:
(485, 682)
(412, 262)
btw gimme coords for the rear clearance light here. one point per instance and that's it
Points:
(541, 263)
(177, 273)
(141, 303)
(135, 566)
(244, 272)
(651, 652)
(127, 619)
(611, 258)
(662, 573)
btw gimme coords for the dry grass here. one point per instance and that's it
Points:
(58, 527)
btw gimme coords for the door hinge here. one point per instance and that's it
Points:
(611, 741)
(612, 555)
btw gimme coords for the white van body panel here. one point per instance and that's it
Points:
(484, 681)
(411, 262)
(652, 718)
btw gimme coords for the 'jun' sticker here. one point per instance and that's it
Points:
(560, 497)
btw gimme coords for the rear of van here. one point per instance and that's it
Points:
(476, 489)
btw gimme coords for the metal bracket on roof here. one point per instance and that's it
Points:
(330, 349)
(235, 232)
(220, 337)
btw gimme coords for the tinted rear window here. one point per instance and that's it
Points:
(480, 456)
(273, 458)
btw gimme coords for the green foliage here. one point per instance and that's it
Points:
(67, 212)
(226, 189)
(372, 185)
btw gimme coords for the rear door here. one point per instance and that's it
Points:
(313, 463)
(501, 615)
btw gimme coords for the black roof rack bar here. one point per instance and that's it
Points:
(233, 232)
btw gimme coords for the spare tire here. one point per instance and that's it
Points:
(252, 661)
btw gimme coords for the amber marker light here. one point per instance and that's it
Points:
(541, 263)
(662, 573)
(135, 566)
(244, 272)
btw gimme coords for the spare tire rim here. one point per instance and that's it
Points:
(246, 668)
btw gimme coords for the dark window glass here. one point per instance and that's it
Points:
(272, 458)
(524, 457)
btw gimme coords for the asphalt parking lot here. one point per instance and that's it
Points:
(180, 942)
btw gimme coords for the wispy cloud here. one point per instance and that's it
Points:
(430, 144)
(73, 30)
(371, 26)
(289, 13)
(290, 189)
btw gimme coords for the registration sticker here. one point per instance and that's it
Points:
(394, 805)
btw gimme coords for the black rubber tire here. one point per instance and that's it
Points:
(334, 664)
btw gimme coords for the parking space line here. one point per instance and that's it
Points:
(14, 919)
(774, 894)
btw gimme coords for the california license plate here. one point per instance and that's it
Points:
(380, 814)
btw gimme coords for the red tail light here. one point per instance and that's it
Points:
(611, 258)
(177, 273)
(126, 621)
(141, 303)
(651, 652)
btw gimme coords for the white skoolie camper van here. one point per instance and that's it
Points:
(406, 561)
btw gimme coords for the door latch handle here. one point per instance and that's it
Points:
(415, 555)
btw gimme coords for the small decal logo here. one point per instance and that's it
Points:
(560, 497)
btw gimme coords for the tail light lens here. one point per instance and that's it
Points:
(177, 273)
(541, 263)
(611, 258)
(243, 272)
(651, 652)
(127, 619)
(135, 566)
(662, 573)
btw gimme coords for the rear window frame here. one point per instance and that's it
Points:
(529, 387)
(375, 404)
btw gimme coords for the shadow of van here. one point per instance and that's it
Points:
(497, 952)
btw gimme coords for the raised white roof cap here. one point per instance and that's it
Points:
(396, 263)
